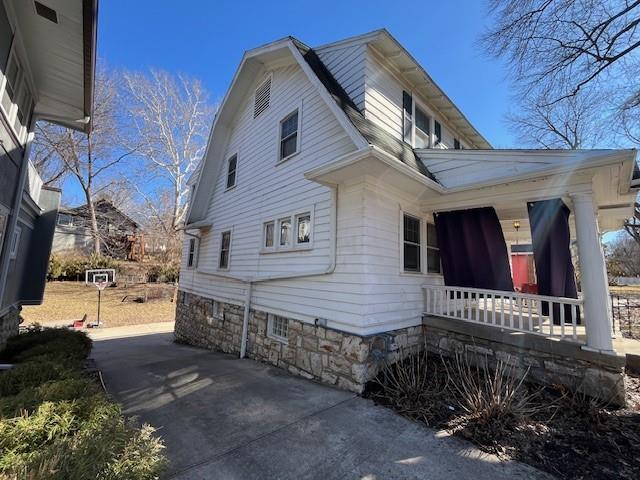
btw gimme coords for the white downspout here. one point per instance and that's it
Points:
(333, 227)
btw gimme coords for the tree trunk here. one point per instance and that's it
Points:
(95, 234)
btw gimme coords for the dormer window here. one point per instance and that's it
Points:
(416, 123)
(422, 132)
(437, 131)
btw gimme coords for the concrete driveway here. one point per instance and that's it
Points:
(226, 418)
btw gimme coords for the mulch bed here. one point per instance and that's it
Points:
(569, 436)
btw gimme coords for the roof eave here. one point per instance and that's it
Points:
(89, 45)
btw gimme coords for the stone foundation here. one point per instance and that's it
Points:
(314, 352)
(9, 323)
(543, 360)
(349, 361)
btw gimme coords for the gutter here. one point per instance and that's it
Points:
(250, 281)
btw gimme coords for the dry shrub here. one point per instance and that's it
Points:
(412, 385)
(494, 400)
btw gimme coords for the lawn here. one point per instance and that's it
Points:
(65, 302)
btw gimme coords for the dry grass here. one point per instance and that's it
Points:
(65, 302)
(625, 290)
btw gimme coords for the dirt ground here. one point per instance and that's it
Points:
(65, 302)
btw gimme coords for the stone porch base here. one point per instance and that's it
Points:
(9, 324)
(314, 352)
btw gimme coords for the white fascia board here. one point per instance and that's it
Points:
(363, 38)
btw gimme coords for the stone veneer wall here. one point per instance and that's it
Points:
(544, 361)
(314, 352)
(9, 325)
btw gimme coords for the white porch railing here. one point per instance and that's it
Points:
(510, 310)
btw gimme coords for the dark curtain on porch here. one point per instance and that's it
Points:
(472, 249)
(551, 239)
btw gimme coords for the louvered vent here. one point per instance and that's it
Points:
(263, 95)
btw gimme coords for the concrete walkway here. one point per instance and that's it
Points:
(225, 418)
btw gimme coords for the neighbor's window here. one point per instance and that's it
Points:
(437, 130)
(422, 129)
(278, 327)
(303, 228)
(285, 231)
(65, 219)
(225, 247)
(411, 244)
(433, 251)
(192, 257)
(289, 135)
(15, 243)
(269, 233)
(232, 165)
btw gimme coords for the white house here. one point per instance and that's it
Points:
(311, 239)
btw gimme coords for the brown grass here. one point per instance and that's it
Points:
(65, 302)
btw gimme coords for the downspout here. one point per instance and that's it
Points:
(333, 223)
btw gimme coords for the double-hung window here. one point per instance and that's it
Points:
(433, 251)
(232, 166)
(225, 250)
(289, 144)
(192, 257)
(16, 98)
(269, 234)
(437, 131)
(416, 123)
(421, 139)
(412, 246)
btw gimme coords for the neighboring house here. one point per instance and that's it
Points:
(342, 190)
(47, 64)
(119, 235)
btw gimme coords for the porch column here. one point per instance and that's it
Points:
(593, 274)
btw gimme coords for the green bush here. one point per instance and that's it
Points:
(72, 267)
(56, 423)
(49, 343)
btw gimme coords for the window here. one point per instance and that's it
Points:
(192, 258)
(278, 327)
(232, 165)
(437, 130)
(285, 231)
(225, 247)
(16, 98)
(303, 223)
(12, 77)
(407, 120)
(3, 224)
(269, 232)
(217, 311)
(262, 97)
(422, 135)
(289, 136)
(15, 243)
(456, 144)
(65, 219)
(433, 252)
(411, 244)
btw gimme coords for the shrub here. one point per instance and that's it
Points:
(163, 273)
(32, 374)
(72, 267)
(48, 343)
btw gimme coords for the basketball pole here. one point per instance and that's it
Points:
(99, 300)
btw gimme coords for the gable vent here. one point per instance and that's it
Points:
(262, 97)
(46, 12)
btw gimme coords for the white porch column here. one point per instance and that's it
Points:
(593, 274)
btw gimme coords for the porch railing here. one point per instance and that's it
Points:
(537, 314)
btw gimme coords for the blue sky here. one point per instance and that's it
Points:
(206, 39)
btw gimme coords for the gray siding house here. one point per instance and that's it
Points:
(47, 67)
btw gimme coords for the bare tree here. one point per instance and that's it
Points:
(575, 122)
(623, 257)
(171, 118)
(90, 159)
(632, 225)
(560, 50)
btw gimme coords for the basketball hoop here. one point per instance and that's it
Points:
(101, 279)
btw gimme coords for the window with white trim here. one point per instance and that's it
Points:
(289, 138)
(15, 243)
(232, 167)
(284, 227)
(411, 244)
(303, 228)
(278, 327)
(192, 256)
(433, 251)
(422, 134)
(225, 250)
(269, 234)
(437, 131)
(416, 123)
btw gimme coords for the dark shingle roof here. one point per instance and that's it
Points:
(372, 133)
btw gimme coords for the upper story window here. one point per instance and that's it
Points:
(225, 250)
(433, 251)
(65, 219)
(456, 144)
(289, 144)
(16, 98)
(232, 166)
(437, 131)
(416, 123)
(422, 131)
(411, 247)
(262, 97)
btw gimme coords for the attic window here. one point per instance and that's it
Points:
(262, 97)
(46, 12)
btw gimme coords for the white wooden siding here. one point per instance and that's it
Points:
(267, 190)
(347, 65)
